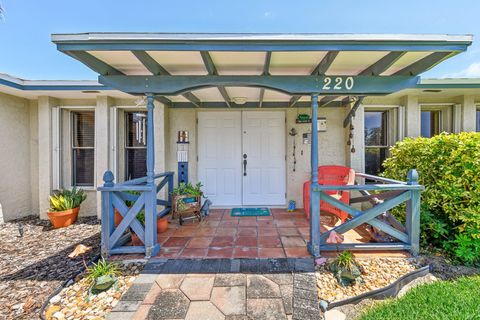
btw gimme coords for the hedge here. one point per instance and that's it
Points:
(449, 168)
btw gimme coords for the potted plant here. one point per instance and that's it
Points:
(117, 218)
(64, 207)
(162, 226)
(186, 199)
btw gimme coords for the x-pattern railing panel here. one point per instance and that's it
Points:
(114, 197)
(386, 194)
(129, 218)
(367, 216)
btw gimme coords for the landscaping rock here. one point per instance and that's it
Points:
(77, 302)
(415, 283)
(334, 315)
(34, 265)
(377, 273)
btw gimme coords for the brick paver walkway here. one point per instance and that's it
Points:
(230, 289)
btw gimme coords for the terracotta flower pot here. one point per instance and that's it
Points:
(135, 239)
(117, 218)
(61, 219)
(162, 225)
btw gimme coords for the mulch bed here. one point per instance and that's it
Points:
(32, 266)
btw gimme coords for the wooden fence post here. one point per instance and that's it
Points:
(314, 244)
(413, 214)
(107, 214)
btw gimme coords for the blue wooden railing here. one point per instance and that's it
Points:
(146, 198)
(383, 195)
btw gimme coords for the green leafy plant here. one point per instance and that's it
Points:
(345, 268)
(67, 199)
(100, 269)
(188, 189)
(130, 203)
(141, 217)
(449, 168)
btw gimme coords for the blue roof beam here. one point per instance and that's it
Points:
(293, 85)
(382, 64)
(351, 114)
(266, 72)
(156, 69)
(212, 70)
(424, 64)
(94, 63)
(320, 69)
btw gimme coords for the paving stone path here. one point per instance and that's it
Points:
(223, 289)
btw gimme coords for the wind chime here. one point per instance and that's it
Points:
(293, 132)
(350, 139)
(140, 126)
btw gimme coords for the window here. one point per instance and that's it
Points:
(430, 123)
(83, 148)
(376, 141)
(478, 120)
(135, 145)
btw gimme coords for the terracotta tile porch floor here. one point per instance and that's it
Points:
(283, 234)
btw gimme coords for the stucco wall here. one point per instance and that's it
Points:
(26, 153)
(15, 186)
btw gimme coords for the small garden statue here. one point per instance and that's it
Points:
(346, 269)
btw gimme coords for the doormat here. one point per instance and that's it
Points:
(250, 212)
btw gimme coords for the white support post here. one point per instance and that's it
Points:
(412, 116)
(469, 111)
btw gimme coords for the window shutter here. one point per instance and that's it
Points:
(56, 149)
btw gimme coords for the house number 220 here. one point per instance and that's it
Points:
(338, 83)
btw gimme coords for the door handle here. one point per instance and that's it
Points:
(244, 164)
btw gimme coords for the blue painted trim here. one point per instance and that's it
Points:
(199, 45)
(212, 70)
(365, 246)
(424, 64)
(94, 63)
(252, 104)
(40, 87)
(295, 85)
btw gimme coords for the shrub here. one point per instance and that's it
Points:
(100, 269)
(449, 168)
(67, 199)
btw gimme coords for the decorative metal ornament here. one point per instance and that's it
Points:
(293, 132)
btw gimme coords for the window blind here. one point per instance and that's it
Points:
(83, 148)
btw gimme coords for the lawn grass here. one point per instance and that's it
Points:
(452, 300)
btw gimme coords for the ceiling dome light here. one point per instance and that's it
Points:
(239, 100)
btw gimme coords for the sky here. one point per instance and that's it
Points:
(26, 50)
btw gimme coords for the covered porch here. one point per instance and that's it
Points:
(280, 71)
(282, 235)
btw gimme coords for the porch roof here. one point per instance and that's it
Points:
(258, 70)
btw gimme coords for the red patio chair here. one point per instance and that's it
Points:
(331, 175)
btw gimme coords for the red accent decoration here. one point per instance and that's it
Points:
(331, 175)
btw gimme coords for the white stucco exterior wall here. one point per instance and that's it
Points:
(15, 186)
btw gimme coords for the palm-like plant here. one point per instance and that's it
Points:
(67, 199)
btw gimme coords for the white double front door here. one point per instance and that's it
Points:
(241, 157)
